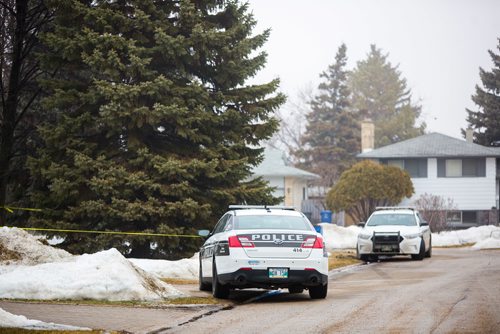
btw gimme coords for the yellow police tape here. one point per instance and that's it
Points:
(108, 232)
(10, 209)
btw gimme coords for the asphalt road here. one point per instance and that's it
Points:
(456, 291)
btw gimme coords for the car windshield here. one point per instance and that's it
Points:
(392, 219)
(271, 222)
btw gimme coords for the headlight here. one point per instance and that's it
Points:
(364, 236)
(413, 236)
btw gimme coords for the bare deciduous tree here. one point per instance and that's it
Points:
(434, 209)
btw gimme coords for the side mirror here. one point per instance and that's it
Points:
(424, 223)
(203, 233)
(362, 224)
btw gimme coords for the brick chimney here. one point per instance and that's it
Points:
(367, 136)
(469, 135)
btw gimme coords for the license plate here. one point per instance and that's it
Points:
(278, 272)
(386, 248)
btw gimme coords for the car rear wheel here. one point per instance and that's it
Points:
(203, 285)
(318, 292)
(218, 290)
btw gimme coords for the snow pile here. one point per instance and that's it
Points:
(19, 247)
(105, 275)
(340, 237)
(493, 242)
(19, 321)
(184, 268)
(472, 235)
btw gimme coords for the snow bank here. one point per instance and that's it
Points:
(471, 235)
(185, 268)
(340, 237)
(105, 275)
(19, 321)
(20, 247)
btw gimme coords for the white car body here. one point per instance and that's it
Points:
(264, 247)
(395, 231)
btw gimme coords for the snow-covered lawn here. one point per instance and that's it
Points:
(30, 269)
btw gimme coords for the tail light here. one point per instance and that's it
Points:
(240, 242)
(313, 242)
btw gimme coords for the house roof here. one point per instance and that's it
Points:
(274, 165)
(432, 145)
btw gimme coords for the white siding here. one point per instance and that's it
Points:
(467, 193)
(277, 182)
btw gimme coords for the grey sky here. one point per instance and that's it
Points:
(438, 44)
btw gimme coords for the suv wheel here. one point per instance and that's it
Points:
(318, 292)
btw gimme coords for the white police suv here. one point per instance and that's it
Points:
(266, 247)
(395, 231)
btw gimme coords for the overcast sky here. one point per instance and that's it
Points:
(438, 44)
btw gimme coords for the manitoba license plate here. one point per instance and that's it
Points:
(278, 272)
(386, 248)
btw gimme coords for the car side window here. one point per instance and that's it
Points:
(222, 223)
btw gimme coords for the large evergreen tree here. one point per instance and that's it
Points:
(331, 140)
(486, 120)
(152, 126)
(381, 95)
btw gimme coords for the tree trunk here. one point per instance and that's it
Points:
(9, 109)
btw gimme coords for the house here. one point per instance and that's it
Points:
(451, 168)
(289, 182)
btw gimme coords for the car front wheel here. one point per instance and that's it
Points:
(421, 254)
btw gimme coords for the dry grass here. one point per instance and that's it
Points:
(342, 258)
(7, 254)
(456, 246)
(180, 281)
(156, 304)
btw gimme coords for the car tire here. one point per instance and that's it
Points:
(295, 289)
(203, 285)
(420, 256)
(218, 290)
(318, 292)
(429, 252)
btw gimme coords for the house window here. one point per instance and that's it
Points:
(469, 167)
(415, 167)
(453, 168)
(396, 163)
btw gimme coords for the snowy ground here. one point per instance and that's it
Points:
(30, 269)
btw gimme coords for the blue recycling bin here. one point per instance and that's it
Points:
(326, 216)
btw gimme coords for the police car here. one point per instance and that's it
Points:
(267, 247)
(395, 231)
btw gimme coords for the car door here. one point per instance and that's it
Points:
(209, 247)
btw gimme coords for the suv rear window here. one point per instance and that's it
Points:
(392, 219)
(271, 222)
